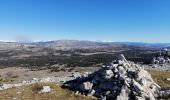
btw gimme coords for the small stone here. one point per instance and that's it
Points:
(77, 93)
(150, 96)
(107, 93)
(137, 86)
(122, 58)
(139, 98)
(91, 93)
(103, 98)
(19, 92)
(86, 86)
(120, 62)
(46, 89)
(168, 79)
(124, 95)
(107, 74)
(121, 70)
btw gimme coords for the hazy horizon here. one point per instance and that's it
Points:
(84, 40)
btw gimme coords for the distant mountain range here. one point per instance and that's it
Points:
(68, 44)
(77, 43)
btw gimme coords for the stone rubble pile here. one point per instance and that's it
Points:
(165, 94)
(162, 59)
(120, 80)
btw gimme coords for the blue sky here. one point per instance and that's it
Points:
(101, 20)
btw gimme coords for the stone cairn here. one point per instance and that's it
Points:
(119, 80)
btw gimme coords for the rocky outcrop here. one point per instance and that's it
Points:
(120, 80)
(161, 59)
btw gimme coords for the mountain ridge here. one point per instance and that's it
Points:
(81, 44)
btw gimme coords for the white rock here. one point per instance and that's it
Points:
(144, 74)
(46, 89)
(139, 98)
(107, 74)
(168, 79)
(151, 96)
(86, 86)
(121, 70)
(137, 86)
(145, 84)
(114, 65)
(91, 93)
(120, 62)
(124, 94)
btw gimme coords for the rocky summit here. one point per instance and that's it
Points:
(119, 80)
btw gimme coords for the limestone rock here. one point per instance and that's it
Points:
(161, 59)
(91, 93)
(124, 94)
(139, 98)
(122, 79)
(168, 79)
(107, 74)
(46, 89)
(86, 86)
(138, 88)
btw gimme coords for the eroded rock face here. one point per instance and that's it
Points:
(121, 80)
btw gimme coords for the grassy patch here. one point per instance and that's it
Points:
(160, 77)
(31, 92)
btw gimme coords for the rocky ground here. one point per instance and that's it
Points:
(35, 92)
(15, 74)
(120, 80)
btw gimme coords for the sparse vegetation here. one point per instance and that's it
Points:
(30, 92)
(48, 61)
(8, 77)
(39, 57)
(160, 77)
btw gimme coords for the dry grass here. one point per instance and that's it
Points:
(160, 77)
(8, 77)
(31, 93)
